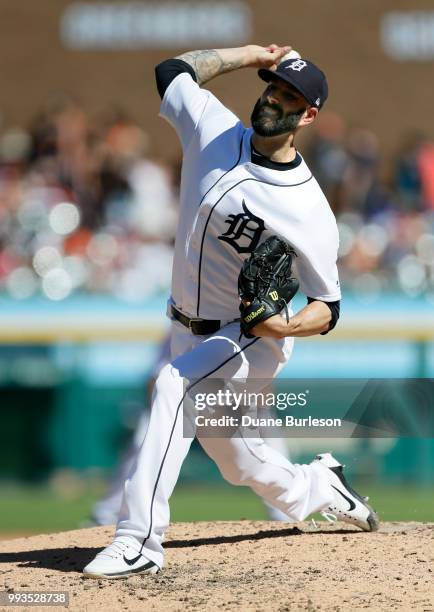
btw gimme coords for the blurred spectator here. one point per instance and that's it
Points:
(152, 210)
(327, 156)
(426, 166)
(407, 175)
(361, 190)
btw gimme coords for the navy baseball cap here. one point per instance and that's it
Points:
(302, 74)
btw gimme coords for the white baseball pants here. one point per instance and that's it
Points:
(297, 490)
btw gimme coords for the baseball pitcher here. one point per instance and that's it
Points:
(249, 203)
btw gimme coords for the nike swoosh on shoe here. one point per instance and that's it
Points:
(350, 501)
(132, 561)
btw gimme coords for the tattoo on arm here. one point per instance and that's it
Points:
(208, 64)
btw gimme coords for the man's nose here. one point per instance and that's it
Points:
(271, 97)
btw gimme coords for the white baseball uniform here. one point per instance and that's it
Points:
(229, 205)
(106, 510)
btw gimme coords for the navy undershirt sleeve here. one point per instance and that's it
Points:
(335, 308)
(168, 70)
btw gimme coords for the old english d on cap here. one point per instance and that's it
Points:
(302, 74)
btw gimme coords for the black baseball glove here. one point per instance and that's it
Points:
(265, 281)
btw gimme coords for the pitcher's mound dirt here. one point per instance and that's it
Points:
(245, 565)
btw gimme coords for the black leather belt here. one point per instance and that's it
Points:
(198, 327)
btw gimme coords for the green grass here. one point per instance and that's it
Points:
(39, 509)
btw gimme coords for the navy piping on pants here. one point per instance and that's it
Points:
(173, 429)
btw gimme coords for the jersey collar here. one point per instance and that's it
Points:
(260, 160)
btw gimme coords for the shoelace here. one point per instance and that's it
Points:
(329, 516)
(117, 547)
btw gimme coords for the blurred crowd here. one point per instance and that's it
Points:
(84, 207)
(385, 212)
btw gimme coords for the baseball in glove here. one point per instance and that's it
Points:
(265, 281)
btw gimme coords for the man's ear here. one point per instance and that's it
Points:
(308, 116)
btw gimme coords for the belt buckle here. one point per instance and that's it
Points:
(191, 323)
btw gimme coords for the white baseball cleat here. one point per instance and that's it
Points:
(348, 505)
(122, 558)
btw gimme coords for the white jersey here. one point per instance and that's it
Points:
(229, 205)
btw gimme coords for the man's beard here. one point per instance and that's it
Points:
(269, 119)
